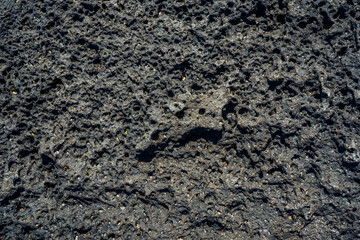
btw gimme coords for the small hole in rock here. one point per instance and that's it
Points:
(180, 114)
(199, 18)
(171, 93)
(277, 51)
(243, 110)
(81, 41)
(155, 135)
(201, 111)
(196, 87)
(281, 18)
(302, 25)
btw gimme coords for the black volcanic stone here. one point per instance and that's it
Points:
(188, 119)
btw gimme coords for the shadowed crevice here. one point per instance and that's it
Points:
(208, 134)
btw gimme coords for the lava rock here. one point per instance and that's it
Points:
(179, 119)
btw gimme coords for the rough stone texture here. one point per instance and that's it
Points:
(180, 119)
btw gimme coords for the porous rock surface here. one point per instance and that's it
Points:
(188, 119)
